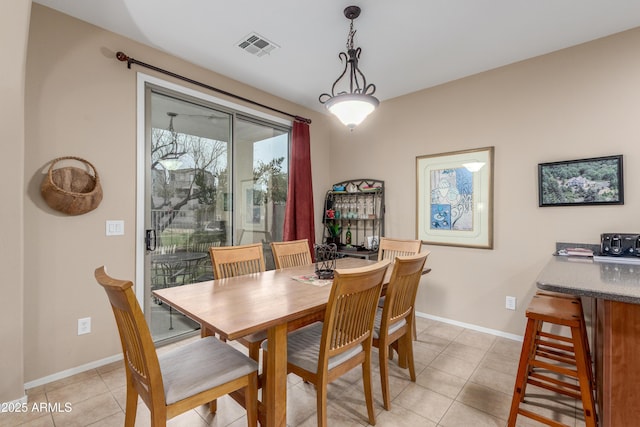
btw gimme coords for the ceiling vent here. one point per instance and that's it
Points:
(257, 45)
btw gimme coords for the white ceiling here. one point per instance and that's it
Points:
(407, 45)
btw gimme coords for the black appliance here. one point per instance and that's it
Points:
(620, 244)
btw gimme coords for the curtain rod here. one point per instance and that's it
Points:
(123, 57)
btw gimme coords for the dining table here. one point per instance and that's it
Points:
(275, 301)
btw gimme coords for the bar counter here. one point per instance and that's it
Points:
(612, 290)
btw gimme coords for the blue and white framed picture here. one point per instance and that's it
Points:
(454, 198)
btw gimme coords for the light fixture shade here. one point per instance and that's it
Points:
(352, 109)
(473, 166)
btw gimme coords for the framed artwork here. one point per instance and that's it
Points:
(454, 198)
(253, 208)
(595, 181)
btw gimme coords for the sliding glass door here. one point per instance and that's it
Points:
(214, 178)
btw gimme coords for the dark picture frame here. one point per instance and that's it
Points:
(592, 181)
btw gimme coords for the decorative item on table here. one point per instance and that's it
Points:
(333, 228)
(325, 260)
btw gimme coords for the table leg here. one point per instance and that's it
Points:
(275, 390)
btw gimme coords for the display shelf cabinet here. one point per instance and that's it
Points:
(356, 205)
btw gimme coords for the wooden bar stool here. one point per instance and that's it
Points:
(576, 300)
(545, 354)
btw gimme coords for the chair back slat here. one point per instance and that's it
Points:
(232, 261)
(141, 360)
(291, 254)
(351, 309)
(391, 248)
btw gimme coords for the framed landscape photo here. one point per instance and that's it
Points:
(594, 181)
(454, 198)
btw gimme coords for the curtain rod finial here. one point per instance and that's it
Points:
(123, 57)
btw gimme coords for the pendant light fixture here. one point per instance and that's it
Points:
(354, 103)
(171, 160)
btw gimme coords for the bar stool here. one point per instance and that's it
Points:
(544, 353)
(576, 300)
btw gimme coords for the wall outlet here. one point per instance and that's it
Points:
(510, 303)
(84, 325)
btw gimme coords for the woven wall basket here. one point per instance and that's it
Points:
(71, 190)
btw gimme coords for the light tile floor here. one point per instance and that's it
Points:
(464, 378)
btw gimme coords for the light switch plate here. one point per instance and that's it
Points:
(84, 325)
(115, 228)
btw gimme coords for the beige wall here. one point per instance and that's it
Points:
(571, 104)
(576, 103)
(14, 27)
(81, 101)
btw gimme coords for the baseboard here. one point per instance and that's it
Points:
(472, 327)
(15, 403)
(69, 372)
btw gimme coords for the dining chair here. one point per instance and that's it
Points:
(394, 322)
(291, 254)
(232, 261)
(179, 380)
(323, 351)
(391, 248)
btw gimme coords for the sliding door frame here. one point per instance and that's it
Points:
(141, 155)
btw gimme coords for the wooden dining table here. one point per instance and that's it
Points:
(276, 301)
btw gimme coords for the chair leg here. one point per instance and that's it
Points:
(384, 374)
(368, 393)
(263, 374)
(213, 406)
(414, 329)
(406, 343)
(131, 406)
(584, 378)
(159, 417)
(251, 400)
(521, 376)
(254, 351)
(321, 398)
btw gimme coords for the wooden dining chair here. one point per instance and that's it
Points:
(174, 382)
(232, 261)
(391, 248)
(291, 254)
(323, 351)
(395, 321)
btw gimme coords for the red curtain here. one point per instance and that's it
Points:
(298, 219)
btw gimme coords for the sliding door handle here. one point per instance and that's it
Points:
(150, 240)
